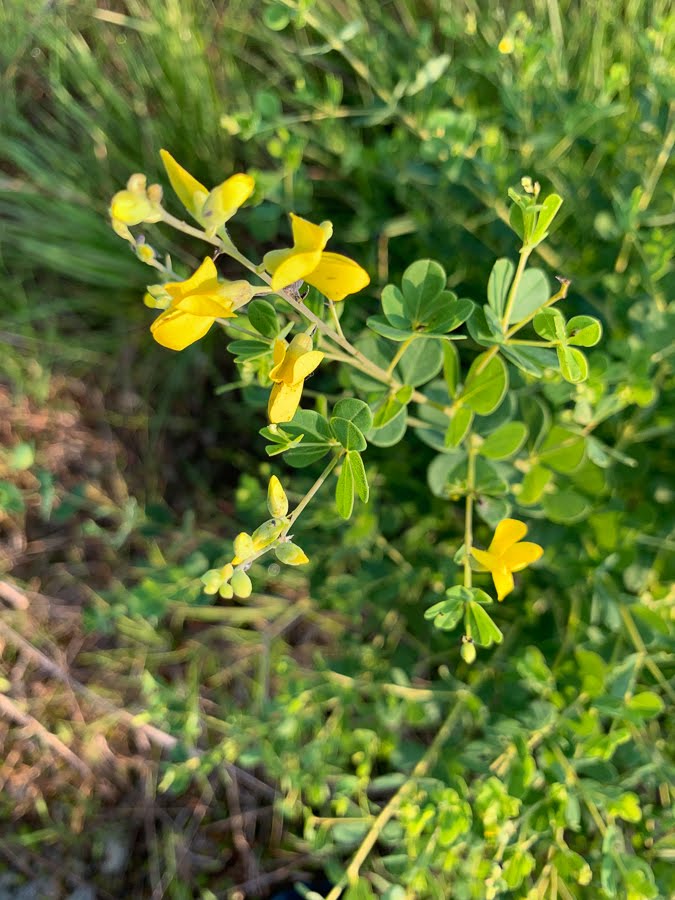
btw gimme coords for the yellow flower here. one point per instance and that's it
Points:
(212, 209)
(292, 364)
(195, 304)
(138, 203)
(332, 274)
(507, 554)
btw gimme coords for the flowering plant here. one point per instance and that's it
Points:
(480, 409)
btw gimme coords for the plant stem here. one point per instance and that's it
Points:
(522, 262)
(311, 492)
(468, 514)
(397, 356)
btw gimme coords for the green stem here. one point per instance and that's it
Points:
(399, 353)
(468, 514)
(311, 492)
(511, 299)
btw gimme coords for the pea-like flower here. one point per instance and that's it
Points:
(138, 203)
(212, 209)
(292, 364)
(195, 304)
(507, 554)
(334, 275)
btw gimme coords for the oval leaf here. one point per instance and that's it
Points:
(486, 384)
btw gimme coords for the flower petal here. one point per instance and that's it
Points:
(205, 277)
(294, 268)
(284, 401)
(307, 236)
(206, 305)
(484, 559)
(523, 554)
(503, 580)
(303, 365)
(507, 533)
(189, 191)
(337, 276)
(225, 199)
(176, 329)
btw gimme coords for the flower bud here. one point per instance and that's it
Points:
(243, 546)
(268, 532)
(468, 650)
(211, 581)
(226, 591)
(241, 584)
(291, 554)
(277, 501)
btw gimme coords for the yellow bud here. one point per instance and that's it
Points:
(277, 501)
(241, 584)
(226, 591)
(243, 546)
(269, 531)
(145, 253)
(291, 554)
(136, 184)
(155, 193)
(506, 45)
(226, 572)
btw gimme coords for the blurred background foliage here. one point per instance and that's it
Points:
(404, 123)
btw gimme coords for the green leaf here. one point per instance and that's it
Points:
(451, 367)
(584, 331)
(392, 432)
(626, 807)
(499, 283)
(422, 282)
(483, 331)
(547, 213)
(488, 480)
(421, 362)
(443, 470)
(573, 364)
(317, 440)
(458, 427)
(263, 317)
(550, 325)
(562, 450)
(646, 704)
(566, 507)
(447, 613)
(486, 384)
(400, 331)
(446, 313)
(480, 627)
(532, 360)
(505, 441)
(359, 474)
(356, 411)
(533, 291)
(347, 434)
(387, 411)
(344, 490)
(533, 485)
(246, 350)
(393, 304)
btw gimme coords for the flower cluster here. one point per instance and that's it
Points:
(190, 307)
(232, 580)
